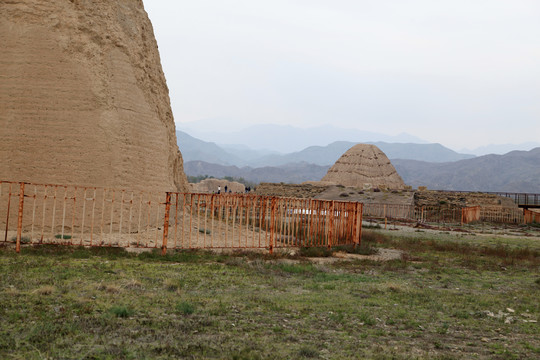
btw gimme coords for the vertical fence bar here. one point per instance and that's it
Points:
(83, 215)
(212, 212)
(7, 216)
(20, 218)
(190, 218)
(331, 224)
(176, 218)
(33, 213)
(272, 220)
(73, 215)
(121, 214)
(247, 218)
(54, 212)
(166, 223)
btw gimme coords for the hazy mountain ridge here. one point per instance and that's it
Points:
(285, 138)
(501, 148)
(328, 155)
(516, 171)
(291, 173)
(194, 149)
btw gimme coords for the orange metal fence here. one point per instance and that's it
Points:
(425, 214)
(531, 216)
(502, 215)
(90, 216)
(445, 215)
(470, 214)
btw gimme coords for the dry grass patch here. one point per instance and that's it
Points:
(109, 288)
(44, 290)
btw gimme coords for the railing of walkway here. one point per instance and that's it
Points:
(91, 216)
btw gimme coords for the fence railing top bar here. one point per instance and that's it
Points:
(78, 186)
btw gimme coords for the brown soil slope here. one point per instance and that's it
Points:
(83, 98)
(361, 165)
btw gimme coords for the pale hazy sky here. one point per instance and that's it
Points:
(463, 73)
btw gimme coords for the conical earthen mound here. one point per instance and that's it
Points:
(364, 165)
(83, 98)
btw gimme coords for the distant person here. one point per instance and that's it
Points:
(225, 188)
(219, 189)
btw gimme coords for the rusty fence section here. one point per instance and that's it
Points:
(411, 213)
(248, 221)
(470, 214)
(531, 216)
(502, 215)
(447, 215)
(71, 215)
(90, 216)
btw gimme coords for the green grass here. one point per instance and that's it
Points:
(60, 236)
(185, 308)
(447, 298)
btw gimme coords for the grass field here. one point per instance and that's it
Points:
(447, 298)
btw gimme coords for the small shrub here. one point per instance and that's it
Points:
(304, 269)
(173, 284)
(364, 250)
(121, 311)
(185, 308)
(315, 252)
(366, 319)
(308, 352)
(343, 195)
(24, 239)
(60, 236)
(360, 250)
(372, 237)
(205, 231)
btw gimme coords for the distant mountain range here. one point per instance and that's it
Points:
(284, 138)
(501, 148)
(516, 171)
(291, 173)
(268, 138)
(431, 165)
(194, 149)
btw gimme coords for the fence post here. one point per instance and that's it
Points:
(19, 219)
(358, 232)
(331, 224)
(166, 223)
(272, 220)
